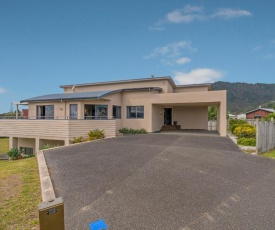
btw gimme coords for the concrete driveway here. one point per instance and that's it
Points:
(164, 181)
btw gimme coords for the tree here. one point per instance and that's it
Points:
(212, 113)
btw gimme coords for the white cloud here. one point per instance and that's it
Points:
(257, 48)
(198, 76)
(191, 13)
(171, 50)
(2, 90)
(182, 61)
(268, 56)
(231, 13)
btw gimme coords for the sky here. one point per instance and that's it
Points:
(45, 44)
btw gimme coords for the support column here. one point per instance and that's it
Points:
(67, 142)
(222, 118)
(37, 145)
(10, 142)
(16, 111)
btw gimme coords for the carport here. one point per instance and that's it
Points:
(190, 111)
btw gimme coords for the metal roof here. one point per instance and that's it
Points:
(123, 81)
(264, 109)
(83, 95)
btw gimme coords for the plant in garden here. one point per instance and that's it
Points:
(96, 134)
(49, 146)
(268, 118)
(14, 153)
(235, 122)
(247, 131)
(246, 141)
(132, 131)
(78, 139)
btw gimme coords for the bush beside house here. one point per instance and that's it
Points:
(245, 133)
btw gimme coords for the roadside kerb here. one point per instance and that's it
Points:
(45, 180)
(51, 210)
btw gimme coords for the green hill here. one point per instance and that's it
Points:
(243, 97)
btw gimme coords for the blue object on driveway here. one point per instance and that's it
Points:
(98, 225)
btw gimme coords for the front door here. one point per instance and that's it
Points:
(167, 116)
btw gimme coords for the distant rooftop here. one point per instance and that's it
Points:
(264, 109)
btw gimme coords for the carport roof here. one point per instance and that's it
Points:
(83, 95)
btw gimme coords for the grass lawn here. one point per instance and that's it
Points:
(4, 145)
(20, 194)
(270, 154)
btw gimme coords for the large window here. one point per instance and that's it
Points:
(136, 112)
(45, 112)
(117, 112)
(73, 111)
(96, 111)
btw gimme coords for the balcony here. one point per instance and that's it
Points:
(56, 128)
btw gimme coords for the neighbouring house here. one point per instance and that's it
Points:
(241, 116)
(150, 103)
(259, 113)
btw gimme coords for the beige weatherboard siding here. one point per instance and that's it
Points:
(188, 105)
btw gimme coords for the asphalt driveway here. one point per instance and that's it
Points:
(164, 181)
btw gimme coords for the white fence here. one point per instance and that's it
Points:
(212, 125)
(265, 136)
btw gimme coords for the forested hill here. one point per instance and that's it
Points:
(243, 97)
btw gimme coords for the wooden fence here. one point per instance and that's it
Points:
(265, 136)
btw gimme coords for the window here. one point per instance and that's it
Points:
(45, 112)
(117, 112)
(136, 112)
(73, 111)
(26, 150)
(96, 111)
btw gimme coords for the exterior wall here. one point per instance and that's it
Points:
(258, 112)
(81, 128)
(157, 117)
(62, 109)
(63, 130)
(162, 83)
(191, 117)
(59, 109)
(43, 142)
(26, 142)
(137, 99)
(190, 89)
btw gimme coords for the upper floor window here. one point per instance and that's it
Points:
(45, 112)
(96, 111)
(117, 112)
(73, 111)
(136, 112)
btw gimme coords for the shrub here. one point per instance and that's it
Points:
(247, 131)
(96, 134)
(78, 139)
(234, 122)
(14, 153)
(246, 141)
(49, 146)
(268, 118)
(132, 131)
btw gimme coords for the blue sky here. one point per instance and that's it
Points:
(44, 44)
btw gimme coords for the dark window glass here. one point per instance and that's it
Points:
(135, 112)
(27, 151)
(117, 112)
(45, 112)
